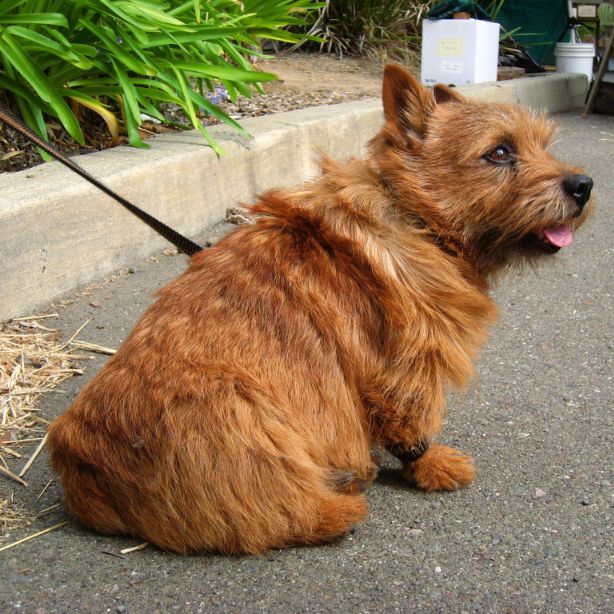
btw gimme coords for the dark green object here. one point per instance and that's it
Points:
(542, 24)
(446, 9)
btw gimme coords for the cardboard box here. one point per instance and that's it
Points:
(459, 51)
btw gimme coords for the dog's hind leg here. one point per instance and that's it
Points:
(308, 508)
(245, 486)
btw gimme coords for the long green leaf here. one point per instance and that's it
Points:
(88, 51)
(225, 72)
(41, 84)
(189, 109)
(202, 34)
(44, 44)
(30, 110)
(33, 118)
(116, 51)
(54, 19)
(8, 5)
(150, 11)
(201, 101)
(132, 110)
(12, 85)
(131, 103)
(112, 9)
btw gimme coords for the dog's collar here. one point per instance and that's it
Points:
(409, 455)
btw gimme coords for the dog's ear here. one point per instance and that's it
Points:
(445, 93)
(407, 103)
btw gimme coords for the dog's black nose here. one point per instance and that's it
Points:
(579, 187)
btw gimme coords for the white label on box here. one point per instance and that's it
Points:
(451, 47)
(587, 10)
(453, 67)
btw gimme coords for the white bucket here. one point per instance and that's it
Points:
(575, 57)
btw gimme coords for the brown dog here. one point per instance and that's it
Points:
(240, 413)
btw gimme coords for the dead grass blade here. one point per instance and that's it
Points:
(134, 548)
(12, 476)
(33, 457)
(92, 347)
(33, 362)
(29, 537)
(13, 516)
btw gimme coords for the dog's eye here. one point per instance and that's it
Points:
(501, 154)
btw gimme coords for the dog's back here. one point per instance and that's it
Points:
(226, 420)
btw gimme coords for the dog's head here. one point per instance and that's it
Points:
(481, 173)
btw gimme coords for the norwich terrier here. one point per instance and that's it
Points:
(241, 412)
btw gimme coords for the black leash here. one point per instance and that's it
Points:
(182, 243)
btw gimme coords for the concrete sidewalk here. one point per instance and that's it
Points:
(58, 232)
(533, 534)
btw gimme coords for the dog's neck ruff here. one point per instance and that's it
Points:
(448, 244)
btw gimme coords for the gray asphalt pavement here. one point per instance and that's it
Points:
(533, 534)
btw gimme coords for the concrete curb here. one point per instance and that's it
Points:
(57, 232)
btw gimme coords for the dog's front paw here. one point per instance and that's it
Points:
(440, 468)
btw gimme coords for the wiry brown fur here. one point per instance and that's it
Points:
(240, 413)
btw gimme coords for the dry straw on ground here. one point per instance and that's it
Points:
(33, 362)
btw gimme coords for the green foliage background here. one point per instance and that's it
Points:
(56, 55)
(385, 29)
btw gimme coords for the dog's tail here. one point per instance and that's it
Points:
(84, 495)
(337, 516)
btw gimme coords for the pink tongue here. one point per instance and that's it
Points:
(560, 235)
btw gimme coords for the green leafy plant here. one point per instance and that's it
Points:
(606, 14)
(57, 55)
(388, 28)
